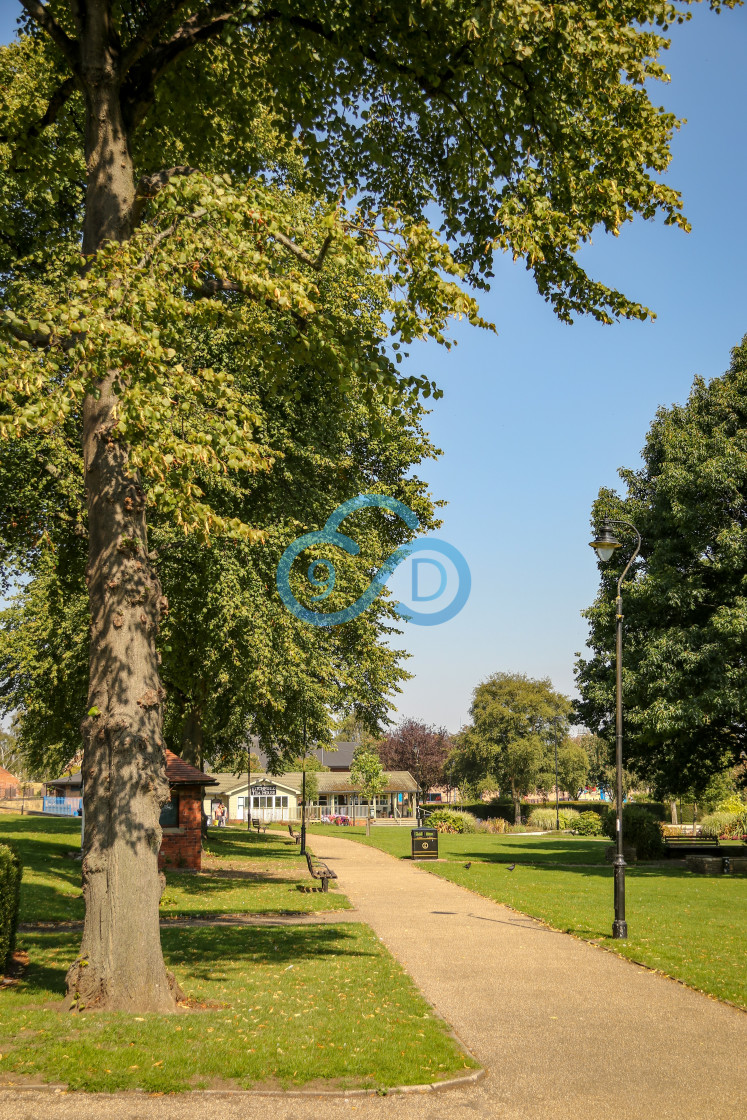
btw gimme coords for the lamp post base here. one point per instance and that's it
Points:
(619, 930)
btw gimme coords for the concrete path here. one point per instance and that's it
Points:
(563, 1029)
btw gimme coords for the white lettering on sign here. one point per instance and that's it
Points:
(264, 791)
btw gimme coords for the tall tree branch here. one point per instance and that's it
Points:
(139, 84)
(58, 99)
(41, 15)
(147, 34)
(313, 262)
(41, 338)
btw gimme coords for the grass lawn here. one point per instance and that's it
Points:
(689, 926)
(505, 848)
(283, 1006)
(247, 874)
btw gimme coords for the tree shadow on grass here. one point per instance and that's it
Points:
(540, 852)
(202, 953)
(234, 844)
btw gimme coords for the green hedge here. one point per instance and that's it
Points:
(640, 828)
(10, 890)
(483, 810)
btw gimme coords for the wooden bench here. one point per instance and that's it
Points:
(294, 835)
(259, 825)
(319, 870)
(690, 845)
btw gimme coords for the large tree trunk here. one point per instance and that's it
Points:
(120, 965)
(191, 739)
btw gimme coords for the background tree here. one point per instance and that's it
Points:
(510, 740)
(573, 767)
(367, 776)
(418, 748)
(685, 677)
(526, 125)
(11, 758)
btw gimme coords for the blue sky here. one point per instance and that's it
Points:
(535, 420)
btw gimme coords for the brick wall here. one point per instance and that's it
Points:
(182, 847)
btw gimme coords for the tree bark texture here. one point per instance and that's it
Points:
(120, 965)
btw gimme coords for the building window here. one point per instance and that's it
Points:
(170, 813)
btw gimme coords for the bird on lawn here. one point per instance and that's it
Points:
(511, 866)
(467, 866)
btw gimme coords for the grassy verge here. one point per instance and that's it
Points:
(281, 1007)
(203, 895)
(245, 873)
(689, 926)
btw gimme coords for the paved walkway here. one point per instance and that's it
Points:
(563, 1029)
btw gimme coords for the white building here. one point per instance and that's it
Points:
(279, 799)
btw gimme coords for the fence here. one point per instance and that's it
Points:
(63, 806)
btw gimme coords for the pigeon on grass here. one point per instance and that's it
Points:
(468, 865)
(511, 866)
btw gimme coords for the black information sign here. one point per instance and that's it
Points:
(264, 791)
(424, 843)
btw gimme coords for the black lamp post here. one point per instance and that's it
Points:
(303, 794)
(557, 810)
(605, 544)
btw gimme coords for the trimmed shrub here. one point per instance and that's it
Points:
(640, 829)
(588, 824)
(545, 818)
(10, 890)
(724, 825)
(452, 820)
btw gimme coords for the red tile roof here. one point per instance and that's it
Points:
(7, 779)
(181, 773)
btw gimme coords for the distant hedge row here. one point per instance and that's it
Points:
(10, 890)
(486, 809)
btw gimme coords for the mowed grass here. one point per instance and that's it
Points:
(281, 1007)
(549, 848)
(270, 875)
(689, 926)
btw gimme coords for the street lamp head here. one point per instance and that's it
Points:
(605, 542)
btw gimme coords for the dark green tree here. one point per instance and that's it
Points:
(685, 672)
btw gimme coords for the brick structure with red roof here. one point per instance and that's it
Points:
(181, 817)
(8, 783)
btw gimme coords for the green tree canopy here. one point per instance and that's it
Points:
(684, 671)
(573, 767)
(368, 776)
(511, 736)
